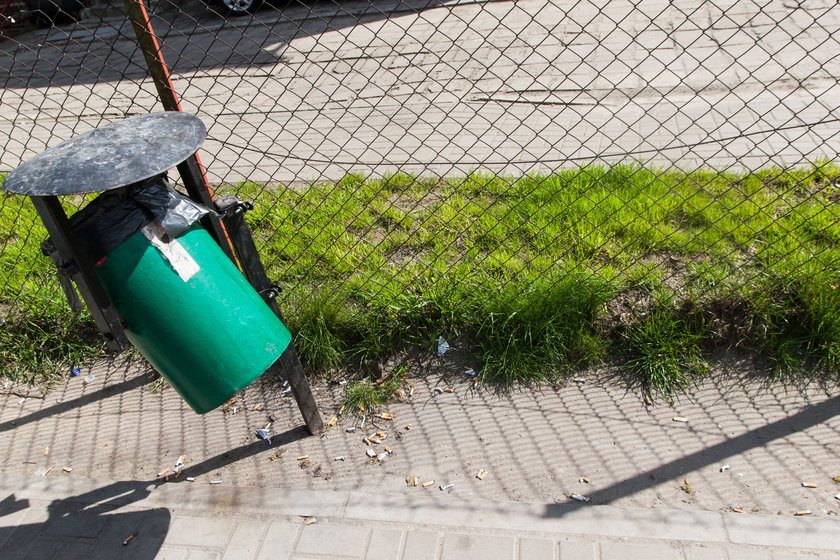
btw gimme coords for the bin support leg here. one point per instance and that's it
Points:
(243, 243)
(104, 315)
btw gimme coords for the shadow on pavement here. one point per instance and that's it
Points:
(807, 418)
(194, 38)
(104, 393)
(86, 526)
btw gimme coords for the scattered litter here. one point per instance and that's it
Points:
(339, 458)
(127, 539)
(802, 512)
(381, 457)
(468, 370)
(579, 498)
(736, 510)
(443, 346)
(75, 371)
(303, 458)
(808, 485)
(67, 469)
(257, 407)
(370, 453)
(438, 390)
(579, 380)
(724, 468)
(427, 483)
(407, 427)
(310, 520)
(481, 474)
(385, 416)
(46, 451)
(679, 419)
(89, 379)
(583, 480)
(447, 487)
(190, 479)
(412, 480)
(215, 482)
(262, 433)
(350, 430)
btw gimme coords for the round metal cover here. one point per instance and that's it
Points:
(117, 154)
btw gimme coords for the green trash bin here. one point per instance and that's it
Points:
(184, 305)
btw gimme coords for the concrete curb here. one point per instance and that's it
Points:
(446, 511)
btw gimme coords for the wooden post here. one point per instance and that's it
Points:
(191, 170)
(246, 250)
(104, 315)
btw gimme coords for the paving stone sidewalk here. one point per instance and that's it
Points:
(44, 517)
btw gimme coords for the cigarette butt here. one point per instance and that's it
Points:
(303, 457)
(46, 472)
(127, 539)
(178, 475)
(808, 485)
(584, 480)
(46, 451)
(407, 427)
(679, 419)
(67, 469)
(387, 450)
(333, 421)
(180, 460)
(350, 430)
(257, 407)
(447, 487)
(648, 401)
(579, 498)
(736, 510)
(481, 474)
(412, 480)
(380, 434)
(190, 479)
(215, 482)
(427, 483)
(448, 390)
(310, 520)
(166, 478)
(339, 458)
(163, 472)
(370, 453)
(802, 512)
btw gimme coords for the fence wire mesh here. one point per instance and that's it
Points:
(400, 150)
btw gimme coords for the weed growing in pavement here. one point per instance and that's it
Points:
(538, 274)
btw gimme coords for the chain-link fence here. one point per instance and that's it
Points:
(406, 155)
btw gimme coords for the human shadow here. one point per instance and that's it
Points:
(87, 526)
(193, 37)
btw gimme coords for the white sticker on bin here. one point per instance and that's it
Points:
(181, 261)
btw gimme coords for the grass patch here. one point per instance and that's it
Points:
(539, 274)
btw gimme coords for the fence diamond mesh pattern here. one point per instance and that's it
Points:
(392, 147)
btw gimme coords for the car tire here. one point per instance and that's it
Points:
(239, 7)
